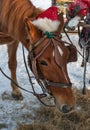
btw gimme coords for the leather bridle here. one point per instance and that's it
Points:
(44, 83)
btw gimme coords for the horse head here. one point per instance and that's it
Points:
(48, 58)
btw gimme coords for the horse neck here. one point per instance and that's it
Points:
(13, 14)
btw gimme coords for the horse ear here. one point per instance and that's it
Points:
(32, 31)
(61, 19)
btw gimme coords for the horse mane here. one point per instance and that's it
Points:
(13, 14)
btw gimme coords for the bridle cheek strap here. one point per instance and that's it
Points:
(34, 68)
(34, 60)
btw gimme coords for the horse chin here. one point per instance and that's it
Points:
(64, 108)
(64, 104)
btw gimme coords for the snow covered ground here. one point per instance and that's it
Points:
(11, 111)
(42, 4)
(14, 112)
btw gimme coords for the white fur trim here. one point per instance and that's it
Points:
(74, 22)
(46, 24)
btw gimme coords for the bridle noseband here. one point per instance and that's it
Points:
(44, 83)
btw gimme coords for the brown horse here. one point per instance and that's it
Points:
(50, 60)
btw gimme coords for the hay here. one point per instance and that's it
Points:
(52, 119)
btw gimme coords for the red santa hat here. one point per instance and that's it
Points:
(48, 20)
(84, 7)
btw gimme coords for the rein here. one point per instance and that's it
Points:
(70, 39)
(83, 56)
(39, 96)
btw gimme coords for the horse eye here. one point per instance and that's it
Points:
(43, 63)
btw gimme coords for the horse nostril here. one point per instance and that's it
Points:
(65, 108)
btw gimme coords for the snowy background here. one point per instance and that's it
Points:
(14, 112)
